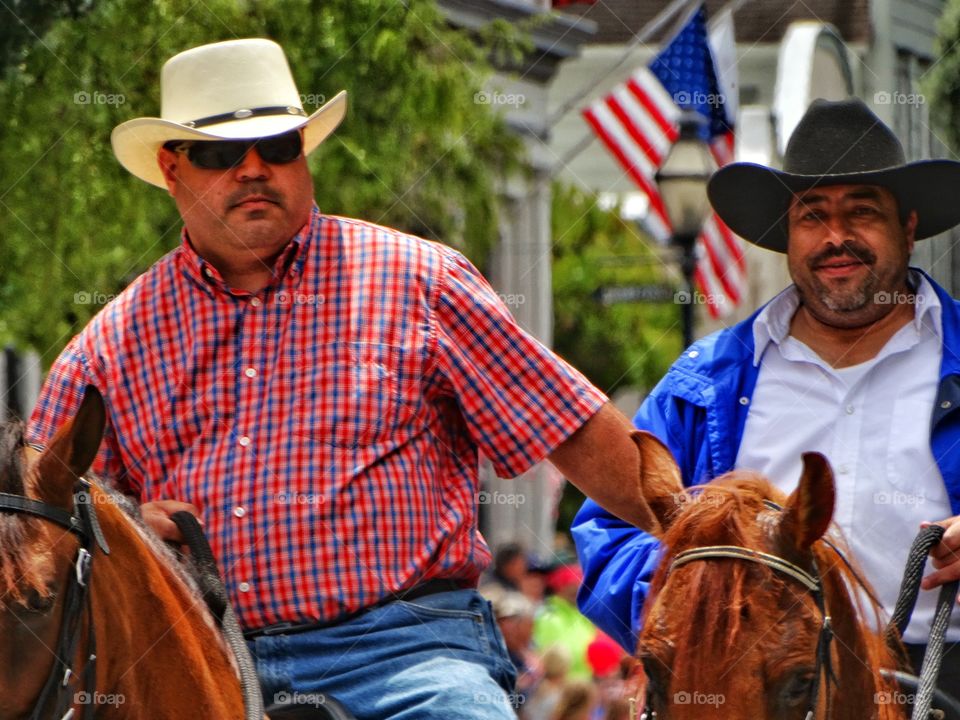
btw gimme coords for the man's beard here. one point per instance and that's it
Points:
(844, 299)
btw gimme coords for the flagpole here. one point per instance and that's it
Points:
(647, 32)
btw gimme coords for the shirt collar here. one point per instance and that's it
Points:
(290, 261)
(772, 324)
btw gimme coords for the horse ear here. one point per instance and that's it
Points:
(660, 482)
(71, 451)
(809, 509)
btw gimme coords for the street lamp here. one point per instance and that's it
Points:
(682, 180)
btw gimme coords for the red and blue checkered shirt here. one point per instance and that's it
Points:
(328, 426)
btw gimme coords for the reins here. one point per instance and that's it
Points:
(57, 698)
(215, 595)
(925, 541)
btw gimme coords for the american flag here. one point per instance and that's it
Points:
(639, 122)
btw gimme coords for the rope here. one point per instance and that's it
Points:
(215, 595)
(926, 540)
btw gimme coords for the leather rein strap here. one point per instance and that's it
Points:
(57, 698)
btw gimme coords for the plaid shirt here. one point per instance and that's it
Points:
(328, 426)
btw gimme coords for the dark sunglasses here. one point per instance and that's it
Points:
(225, 154)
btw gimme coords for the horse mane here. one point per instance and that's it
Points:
(18, 573)
(722, 597)
(17, 531)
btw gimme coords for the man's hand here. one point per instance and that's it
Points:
(157, 514)
(945, 556)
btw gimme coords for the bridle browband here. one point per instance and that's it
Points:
(811, 581)
(82, 522)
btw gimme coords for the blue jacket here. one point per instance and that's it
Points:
(699, 410)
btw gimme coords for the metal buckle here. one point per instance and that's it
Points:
(83, 566)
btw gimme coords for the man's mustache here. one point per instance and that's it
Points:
(847, 249)
(253, 190)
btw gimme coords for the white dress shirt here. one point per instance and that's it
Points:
(872, 422)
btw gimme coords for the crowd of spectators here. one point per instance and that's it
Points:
(567, 669)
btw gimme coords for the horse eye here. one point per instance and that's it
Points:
(39, 604)
(798, 689)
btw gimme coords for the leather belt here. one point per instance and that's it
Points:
(427, 587)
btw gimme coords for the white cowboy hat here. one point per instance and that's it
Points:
(239, 89)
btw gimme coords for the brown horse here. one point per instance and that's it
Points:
(736, 625)
(158, 652)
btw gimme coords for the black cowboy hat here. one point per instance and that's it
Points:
(835, 143)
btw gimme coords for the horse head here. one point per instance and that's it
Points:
(754, 610)
(80, 576)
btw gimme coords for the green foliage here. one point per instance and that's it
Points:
(943, 81)
(615, 346)
(629, 344)
(415, 151)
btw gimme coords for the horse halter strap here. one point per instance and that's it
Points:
(810, 581)
(82, 523)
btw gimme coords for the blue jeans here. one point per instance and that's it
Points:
(437, 657)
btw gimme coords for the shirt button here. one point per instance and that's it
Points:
(744, 401)
(255, 302)
(244, 441)
(946, 404)
(244, 587)
(844, 469)
(239, 511)
(849, 409)
(250, 372)
(207, 272)
(693, 354)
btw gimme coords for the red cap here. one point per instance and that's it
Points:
(563, 576)
(604, 655)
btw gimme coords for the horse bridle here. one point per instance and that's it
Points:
(57, 691)
(811, 582)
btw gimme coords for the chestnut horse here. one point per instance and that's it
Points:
(753, 612)
(159, 653)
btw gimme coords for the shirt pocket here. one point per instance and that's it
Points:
(355, 396)
(910, 462)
